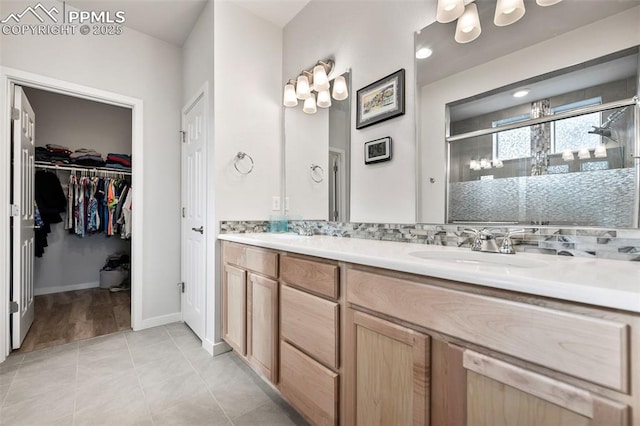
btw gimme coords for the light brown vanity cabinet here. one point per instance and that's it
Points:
(472, 358)
(390, 372)
(250, 305)
(310, 337)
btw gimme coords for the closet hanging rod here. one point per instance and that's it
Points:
(82, 169)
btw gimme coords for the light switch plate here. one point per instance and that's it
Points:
(275, 203)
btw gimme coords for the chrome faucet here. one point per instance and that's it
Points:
(485, 241)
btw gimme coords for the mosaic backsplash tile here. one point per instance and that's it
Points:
(617, 244)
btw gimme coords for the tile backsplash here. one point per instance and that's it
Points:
(618, 244)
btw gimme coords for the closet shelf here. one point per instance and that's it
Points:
(46, 165)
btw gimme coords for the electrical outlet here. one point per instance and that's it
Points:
(286, 203)
(275, 203)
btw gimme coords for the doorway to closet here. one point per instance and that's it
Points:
(82, 189)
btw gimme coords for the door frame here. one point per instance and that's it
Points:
(10, 77)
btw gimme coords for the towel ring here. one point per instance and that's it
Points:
(239, 157)
(317, 173)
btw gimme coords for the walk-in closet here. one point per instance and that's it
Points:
(82, 219)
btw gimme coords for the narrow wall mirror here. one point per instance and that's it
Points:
(317, 161)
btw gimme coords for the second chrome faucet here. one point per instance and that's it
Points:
(485, 241)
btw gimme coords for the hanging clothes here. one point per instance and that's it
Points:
(50, 201)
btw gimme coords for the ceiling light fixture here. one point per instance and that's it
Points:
(423, 53)
(468, 25)
(314, 87)
(521, 93)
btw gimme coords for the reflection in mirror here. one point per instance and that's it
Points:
(564, 157)
(317, 177)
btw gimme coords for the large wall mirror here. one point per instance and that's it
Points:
(317, 162)
(566, 153)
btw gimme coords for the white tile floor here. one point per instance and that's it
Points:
(152, 377)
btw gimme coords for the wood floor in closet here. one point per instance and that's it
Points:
(75, 315)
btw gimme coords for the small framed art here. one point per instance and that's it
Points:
(381, 100)
(377, 151)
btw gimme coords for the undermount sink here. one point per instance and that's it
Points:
(480, 258)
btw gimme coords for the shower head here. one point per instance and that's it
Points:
(602, 131)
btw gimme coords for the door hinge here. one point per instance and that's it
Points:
(184, 212)
(183, 136)
(15, 210)
(181, 285)
(15, 114)
(13, 307)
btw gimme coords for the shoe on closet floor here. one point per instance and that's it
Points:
(125, 286)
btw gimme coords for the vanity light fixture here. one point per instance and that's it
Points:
(468, 25)
(313, 86)
(423, 53)
(521, 93)
(340, 89)
(584, 154)
(309, 106)
(290, 98)
(508, 12)
(600, 152)
(567, 155)
(449, 10)
(474, 165)
(498, 164)
(485, 164)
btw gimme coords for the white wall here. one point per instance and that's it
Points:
(248, 112)
(609, 35)
(374, 39)
(71, 262)
(138, 66)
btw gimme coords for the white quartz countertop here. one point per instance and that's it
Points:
(599, 282)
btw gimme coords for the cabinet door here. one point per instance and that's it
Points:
(262, 334)
(391, 366)
(496, 393)
(234, 308)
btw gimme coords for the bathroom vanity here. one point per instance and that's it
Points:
(368, 332)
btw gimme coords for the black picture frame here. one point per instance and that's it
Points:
(381, 100)
(377, 151)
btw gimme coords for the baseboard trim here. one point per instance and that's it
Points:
(161, 320)
(220, 348)
(61, 289)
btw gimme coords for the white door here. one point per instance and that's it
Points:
(194, 253)
(23, 215)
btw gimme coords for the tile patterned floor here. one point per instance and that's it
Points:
(159, 376)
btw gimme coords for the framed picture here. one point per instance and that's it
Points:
(381, 100)
(377, 151)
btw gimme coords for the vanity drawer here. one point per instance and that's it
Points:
(255, 259)
(309, 386)
(317, 277)
(585, 347)
(310, 323)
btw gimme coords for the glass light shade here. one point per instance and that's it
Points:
(547, 2)
(449, 10)
(473, 165)
(324, 99)
(567, 155)
(485, 164)
(340, 90)
(302, 87)
(600, 152)
(320, 79)
(498, 164)
(309, 106)
(584, 154)
(468, 26)
(290, 99)
(508, 12)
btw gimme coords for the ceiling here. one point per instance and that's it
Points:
(172, 20)
(538, 24)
